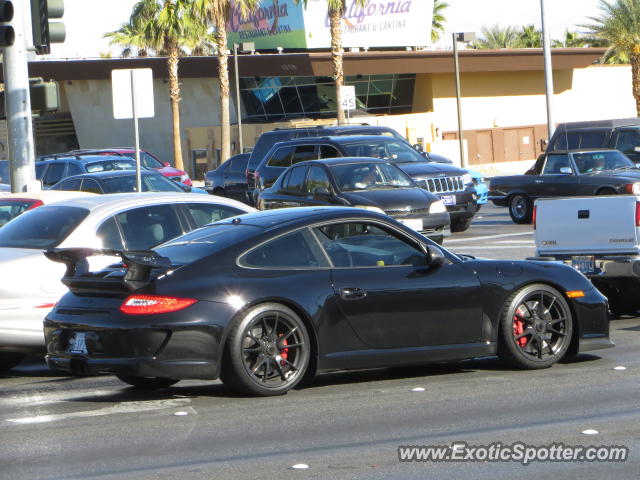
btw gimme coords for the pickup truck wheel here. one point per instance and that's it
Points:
(535, 328)
(461, 224)
(520, 209)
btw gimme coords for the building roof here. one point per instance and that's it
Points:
(320, 63)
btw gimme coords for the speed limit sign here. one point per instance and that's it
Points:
(348, 97)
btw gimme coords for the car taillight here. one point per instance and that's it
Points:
(637, 214)
(153, 304)
(535, 215)
(36, 204)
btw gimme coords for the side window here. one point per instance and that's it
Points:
(40, 168)
(206, 213)
(146, 227)
(627, 140)
(317, 178)
(555, 163)
(109, 235)
(147, 161)
(327, 151)
(53, 174)
(281, 157)
(71, 184)
(367, 245)
(295, 250)
(74, 169)
(295, 180)
(239, 165)
(304, 152)
(90, 185)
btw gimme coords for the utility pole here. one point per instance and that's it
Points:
(18, 103)
(464, 37)
(548, 70)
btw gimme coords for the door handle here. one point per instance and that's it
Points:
(352, 293)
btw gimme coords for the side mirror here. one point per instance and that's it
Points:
(418, 147)
(435, 256)
(322, 192)
(566, 170)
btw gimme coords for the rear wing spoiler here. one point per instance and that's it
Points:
(142, 267)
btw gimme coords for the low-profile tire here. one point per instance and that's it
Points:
(461, 224)
(520, 209)
(10, 360)
(148, 383)
(267, 351)
(536, 327)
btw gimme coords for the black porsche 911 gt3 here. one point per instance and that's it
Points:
(263, 299)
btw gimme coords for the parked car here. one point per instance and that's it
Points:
(30, 284)
(122, 181)
(268, 139)
(563, 174)
(450, 184)
(360, 182)
(265, 299)
(147, 160)
(229, 179)
(620, 134)
(50, 172)
(14, 204)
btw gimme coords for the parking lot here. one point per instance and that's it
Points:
(346, 425)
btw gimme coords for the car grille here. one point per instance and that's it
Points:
(407, 213)
(442, 184)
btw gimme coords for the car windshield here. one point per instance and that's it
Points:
(368, 176)
(383, 147)
(205, 241)
(150, 183)
(10, 209)
(42, 228)
(591, 162)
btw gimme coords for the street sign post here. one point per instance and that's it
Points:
(348, 99)
(132, 90)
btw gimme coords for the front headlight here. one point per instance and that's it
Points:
(466, 178)
(437, 207)
(370, 208)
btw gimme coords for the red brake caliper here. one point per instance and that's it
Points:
(518, 329)
(284, 352)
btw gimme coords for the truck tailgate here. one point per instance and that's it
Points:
(587, 225)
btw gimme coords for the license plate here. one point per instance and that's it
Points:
(78, 344)
(584, 263)
(412, 223)
(448, 199)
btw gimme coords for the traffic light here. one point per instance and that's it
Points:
(44, 31)
(7, 35)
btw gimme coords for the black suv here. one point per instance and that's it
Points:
(452, 185)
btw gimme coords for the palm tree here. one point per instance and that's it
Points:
(572, 39)
(164, 27)
(336, 10)
(530, 37)
(217, 13)
(438, 21)
(619, 25)
(496, 37)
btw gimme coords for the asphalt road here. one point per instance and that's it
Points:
(343, 426)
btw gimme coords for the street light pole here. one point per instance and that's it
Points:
(460, 37)
(548, 70)
(238, 106)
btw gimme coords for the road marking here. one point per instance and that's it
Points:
(123, 407)
(488, 237)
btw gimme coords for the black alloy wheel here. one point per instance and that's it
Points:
(150, 383)
(520, 209)
(536, 327)
(267, 352)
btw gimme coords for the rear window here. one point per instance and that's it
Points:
(195, 245)
(42, 228)
(571, 140)
(10, 209)
(150, 183)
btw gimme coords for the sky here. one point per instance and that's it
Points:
(88, 20)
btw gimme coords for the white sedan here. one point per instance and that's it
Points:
(30, 284)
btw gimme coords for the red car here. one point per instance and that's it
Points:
(147, 160)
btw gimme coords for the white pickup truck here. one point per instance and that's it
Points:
(600, 236)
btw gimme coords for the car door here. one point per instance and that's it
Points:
(235, 180)
(553, 182)
(391, 295)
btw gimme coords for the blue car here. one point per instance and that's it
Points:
(482, 190)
